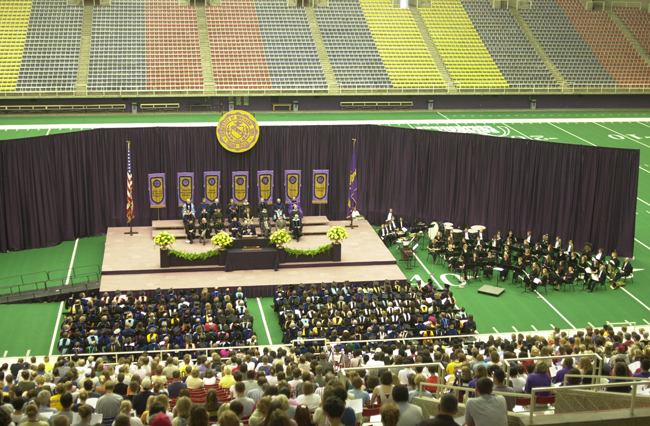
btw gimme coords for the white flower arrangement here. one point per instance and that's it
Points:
(337, 233)
(280, 237)
(222, 239)
(164, 240)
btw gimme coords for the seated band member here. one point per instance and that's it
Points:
(597, 278)
(402, 225)
(625, 271)
(384, 235)
(187, 205)
(235, 228)
(567, 277)
(530, 279)
(296, 227)
(505, 261)
(488, 265)
(280, 223)
(204, 231)
(233, 210)
(495, 244)
(278, 209)
(249, 228)
(521, 268)
(190, 228)
(390, 215)
(265, 226)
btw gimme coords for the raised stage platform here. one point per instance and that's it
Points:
(133, 263)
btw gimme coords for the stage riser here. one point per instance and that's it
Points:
(180, 233)
(178, 224)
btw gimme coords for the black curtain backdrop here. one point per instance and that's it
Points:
(65, 186)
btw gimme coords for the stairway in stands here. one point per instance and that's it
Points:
(84, 52)
(206, 56)
(636, 28)
(322, 52)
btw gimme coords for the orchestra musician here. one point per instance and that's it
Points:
(384, 235)
(450, 256)
(535, 273)
(626, 270)
(597, 278)
(521, 268)
(504, 264)
(488, 265)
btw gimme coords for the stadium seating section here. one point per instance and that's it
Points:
(264, 45)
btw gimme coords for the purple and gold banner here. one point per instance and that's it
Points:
(292, 184)
(185, 183)
(320, 185)
(157, 197)
(211, 185)
(239, 186)
(265, 185)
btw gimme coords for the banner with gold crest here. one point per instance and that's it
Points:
(320, 185)
(265, 185)
(292, 184)
(239, 186)
(185, 183)
(211, 185)
(157, 187)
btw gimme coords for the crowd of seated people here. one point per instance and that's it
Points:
(249, 385)
(369, 311)
(126, 322)
(536, 263)
(237, 219)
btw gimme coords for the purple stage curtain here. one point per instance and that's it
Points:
(61, 187)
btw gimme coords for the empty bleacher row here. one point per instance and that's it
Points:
(154, 45)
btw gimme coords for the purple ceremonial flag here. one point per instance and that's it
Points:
(292, 184)
(211, 185)
(157, 195)
(239, 186)
(352, 192)
(265, 185)
(320, 186)
(185, 183)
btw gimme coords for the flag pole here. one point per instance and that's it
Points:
(129, 191)
(351, 191)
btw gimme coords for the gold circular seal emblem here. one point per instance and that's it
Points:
(238, 131)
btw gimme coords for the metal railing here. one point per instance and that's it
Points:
(628, 323)
(46, 279)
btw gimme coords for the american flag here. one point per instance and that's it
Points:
(129, 187)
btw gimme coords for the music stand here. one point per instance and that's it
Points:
(351, 225)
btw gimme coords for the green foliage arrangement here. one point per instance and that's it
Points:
(312, 252)
(164, 240)
(194, 256)
(337, 233)
(222, 239)
(280, 237)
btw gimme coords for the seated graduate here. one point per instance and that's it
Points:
(296, 227)
(280, 223)
(235, 228)
(233, 210)
(249, 228)
(190, 227)
(265, 226)
(278, 209)
(204, 231)
(188, 205)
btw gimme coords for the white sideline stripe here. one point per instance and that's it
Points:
(634, 297)
(555, 309)
(335, 122)
(575, 136)
(428, 272)
(266, 326)
(644, 202)
(621, 134)
(55, 334)
(642, 244)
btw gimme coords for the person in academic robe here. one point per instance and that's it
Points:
(280, 223)
(262, 206)
(217, 214)
(233, 210)
(246, 215)
(296, 206)
(278, 209)
(265, 226)
(249, 228)
(264, 214)
(216, 204)
(245, 205)
(626, 270)
(204, 231)
(204, 205)
(190, 228)
(204, 215)
(235, 228)
(188, 205)
(217, 225)
(295, 211)
(296, 227)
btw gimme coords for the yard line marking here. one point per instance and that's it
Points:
(428, 272)
(634, 297)
(516, 331)
(67, 281)
(5, 355)
(515, 130)
(575, 136)
(644, 202)
(410, 126)
(619, 133)
(641, 243)
(443, 116)
(495, 329)
(646, 321)
(48, 132)
(647, 171)
(552, 326)
(28, 352)
(555, 309)
(266, 326)
(533, 327)
(590, 323)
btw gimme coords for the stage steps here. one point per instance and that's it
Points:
(312, 225)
